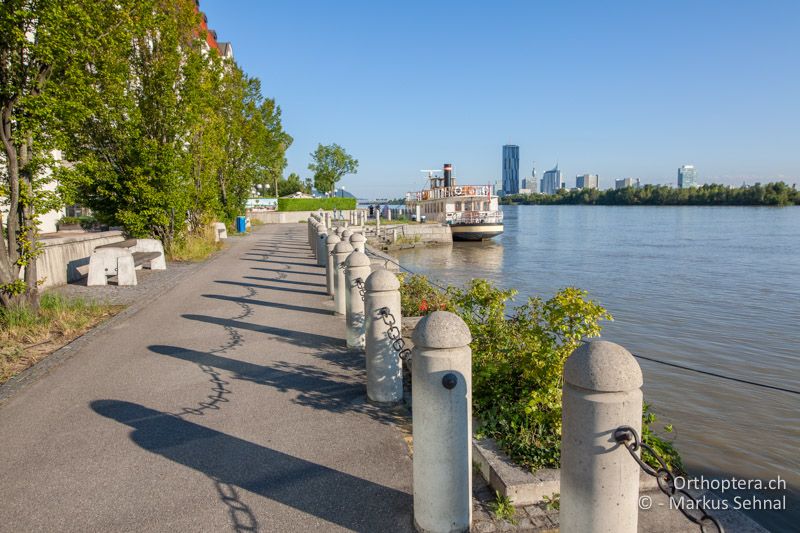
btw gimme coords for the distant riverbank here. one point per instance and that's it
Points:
(771, 194)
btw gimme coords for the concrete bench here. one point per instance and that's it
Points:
(220, 231)
(121, 259)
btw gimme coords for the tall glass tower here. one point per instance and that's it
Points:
(687, 177)
(511, 169)
(551, 181)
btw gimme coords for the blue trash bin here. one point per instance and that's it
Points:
(241, 224)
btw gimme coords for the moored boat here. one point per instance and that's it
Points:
(471, 211)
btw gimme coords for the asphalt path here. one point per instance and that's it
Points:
(227, 403)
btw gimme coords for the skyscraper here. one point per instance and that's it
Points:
(551, 181)
(587, 181)
(687, 177)
(511, 169)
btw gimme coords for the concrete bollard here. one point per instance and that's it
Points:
(358, 242)
(338, 230)
(330, 243)
(340, 253)
(312, 231)
(442, 405)
(322, 239)
(346, 235)
(357, 266)
(315, 228)
(384, 366)
(599, 478)
(327, 220)
(418, 213)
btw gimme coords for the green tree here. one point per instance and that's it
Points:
(48, 50)
(134, 167)
(291, 185)
(255, 143)
(331, 162)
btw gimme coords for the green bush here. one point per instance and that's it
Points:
(313, 204)
(518, 357)
(69, 221)
(518, 360)
(419, 297)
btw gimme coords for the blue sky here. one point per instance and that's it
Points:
(621, 89)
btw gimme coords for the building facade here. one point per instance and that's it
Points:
(587, 181)
(528, 185)
(551, 181)
(510, 169)
(627, 182)
(687, 177)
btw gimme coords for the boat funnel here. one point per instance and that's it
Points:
(448, 175)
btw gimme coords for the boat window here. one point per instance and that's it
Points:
(485, 206)
(467, 206)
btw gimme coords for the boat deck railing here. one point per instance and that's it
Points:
(475, 217)
(451, 192)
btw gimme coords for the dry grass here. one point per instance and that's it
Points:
(26, 337)
(194, 247)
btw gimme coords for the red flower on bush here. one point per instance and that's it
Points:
(423, 306)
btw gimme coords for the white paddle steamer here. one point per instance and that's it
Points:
(471, 211)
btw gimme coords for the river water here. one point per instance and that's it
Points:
(716, 288)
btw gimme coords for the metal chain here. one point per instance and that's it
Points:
(394, 334)
(628, 437)
(361, 287)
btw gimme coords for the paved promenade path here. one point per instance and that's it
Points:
(227, 403)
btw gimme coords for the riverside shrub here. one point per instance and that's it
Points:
(518, 356)
(419, 297)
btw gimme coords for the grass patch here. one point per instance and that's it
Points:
(502, 508)
(194, 247)
(27, 337)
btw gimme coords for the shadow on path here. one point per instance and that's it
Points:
(331, 495)
(299, 338)
(317, 388)
(288, 307)
(309, 264)
(270, 287)
(273, 254)
(308, 283)
(283, 271)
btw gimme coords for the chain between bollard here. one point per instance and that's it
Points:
(361, 288)
(665, 478)
(394, 334)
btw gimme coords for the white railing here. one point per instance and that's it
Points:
(475, 217)
(451, 192)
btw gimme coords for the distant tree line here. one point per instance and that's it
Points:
(771, 194)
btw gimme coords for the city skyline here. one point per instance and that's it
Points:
(399, 101)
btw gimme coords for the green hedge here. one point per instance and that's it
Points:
(313, 204)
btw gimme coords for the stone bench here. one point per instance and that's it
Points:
(121, 259)
(220, 231)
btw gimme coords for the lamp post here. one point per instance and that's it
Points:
(342, 191)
